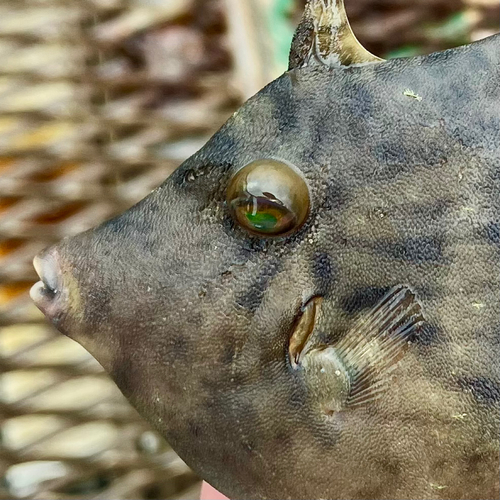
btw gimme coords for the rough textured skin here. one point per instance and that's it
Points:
(192, 316)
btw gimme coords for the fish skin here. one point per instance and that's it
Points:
(192, 316)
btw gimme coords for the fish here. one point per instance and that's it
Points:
(309, 307)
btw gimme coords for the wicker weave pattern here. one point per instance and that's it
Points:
(99, 101)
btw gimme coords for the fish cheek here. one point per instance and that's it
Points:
(324, 272)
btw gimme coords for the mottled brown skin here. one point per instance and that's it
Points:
(192, 316)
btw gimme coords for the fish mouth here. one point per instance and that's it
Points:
(49, 294)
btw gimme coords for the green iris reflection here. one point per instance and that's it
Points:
(262, 222)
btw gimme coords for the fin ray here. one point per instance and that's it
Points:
(377, 341)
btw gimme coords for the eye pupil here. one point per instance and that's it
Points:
(269, 198)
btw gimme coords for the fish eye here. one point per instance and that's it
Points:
(268, 198)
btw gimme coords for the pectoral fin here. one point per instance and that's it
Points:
(357, 369)
(375, 344)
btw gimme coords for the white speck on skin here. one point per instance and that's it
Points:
(413, 95)
(437, 486)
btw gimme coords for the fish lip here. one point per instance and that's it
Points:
(47, 275)
(48, 294)
(40, 291)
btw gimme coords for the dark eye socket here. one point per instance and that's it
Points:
(268, 198)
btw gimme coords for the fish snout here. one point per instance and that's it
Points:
(50, 294)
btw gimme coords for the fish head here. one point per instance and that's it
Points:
(190, 298)
(186, 298)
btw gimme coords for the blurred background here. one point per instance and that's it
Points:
(99, 101)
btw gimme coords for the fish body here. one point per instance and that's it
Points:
(389, 387)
